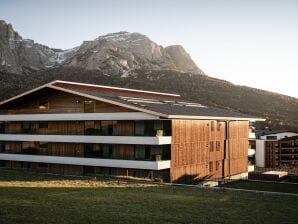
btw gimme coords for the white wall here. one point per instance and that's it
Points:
(260, 153)
(117, 163)
(134, 140)
(79, 116)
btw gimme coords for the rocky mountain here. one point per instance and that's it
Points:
(132, 60)
(116, 53)
(18, 55)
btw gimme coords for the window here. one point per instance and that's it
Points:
(139, 128)
(43, 124)
(28, 127)
(2, 146)
(211, 146)
(210, 167)
(95, 150)
(212, 125)
(89, 106)
(139, 152)
(43, 105)
(158, 128)
(155, 152)
(89, 128)
(109, 127)
(147, 152)
(218, 126)
(107, 151)
(2, 127)
(217, 145)
(43, 145)
(7, 147)
(29, 148)
(217, 165)
(271, 137)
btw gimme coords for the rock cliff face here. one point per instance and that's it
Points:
(20, 55)
(114, 54)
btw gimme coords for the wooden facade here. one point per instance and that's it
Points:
(200, 149)
(54, 101)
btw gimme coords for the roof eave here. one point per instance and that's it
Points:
(214, 118)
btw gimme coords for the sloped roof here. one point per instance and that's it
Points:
(157, 103)
(271, 132)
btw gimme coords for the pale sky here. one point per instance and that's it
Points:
(247, 42)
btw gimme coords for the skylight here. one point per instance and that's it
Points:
(138, 100)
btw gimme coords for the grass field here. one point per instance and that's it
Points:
(36, 198)
(264, 186)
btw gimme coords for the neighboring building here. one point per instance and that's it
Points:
(273, 135)
(82, 129)
(282, 153)
(268, 149)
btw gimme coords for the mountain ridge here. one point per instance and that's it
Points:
(132, 60)
(113, 53)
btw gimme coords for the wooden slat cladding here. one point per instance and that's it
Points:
(102, 107)
(238, 132)
(57, 102)
(125, 128)
(65, 149)
(64, 128)
(199, 149)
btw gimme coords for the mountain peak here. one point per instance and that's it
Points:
(123, 36)
(7, 31)
(119, 53)
(182, 59)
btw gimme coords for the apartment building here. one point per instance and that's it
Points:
(84, 129)
(272, 149)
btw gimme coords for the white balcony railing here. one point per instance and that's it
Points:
(117, 163)
(132, 140)
(78, 116)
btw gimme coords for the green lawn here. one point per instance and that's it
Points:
(264, 186)
(36, 198)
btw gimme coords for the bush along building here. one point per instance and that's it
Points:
(83, 129)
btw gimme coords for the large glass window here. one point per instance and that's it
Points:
(109, 127)
(93, 150)
(27, 127)
(29, 147)
(2, 127)
(156, 152)
(139, 152)
(89, 128)
(148, 152)
(139, 128)
(2, 146)
(107, 151)
(158, 128)
(152, 128)
(42, 124)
